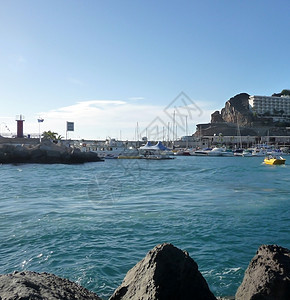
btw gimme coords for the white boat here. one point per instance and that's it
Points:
(247, 153)
(130, 153)
(201, 152)
(158, 151)
(238, 152)
(110, 149)
(276, 152)
(228, 153)
(259, 152)
(184, 152)
(217, 151)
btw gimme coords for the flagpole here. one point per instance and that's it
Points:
(40, 120)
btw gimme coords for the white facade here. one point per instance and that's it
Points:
(271, 106)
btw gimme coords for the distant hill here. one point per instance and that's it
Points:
(237, 113)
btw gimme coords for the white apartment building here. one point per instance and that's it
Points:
(276, 107)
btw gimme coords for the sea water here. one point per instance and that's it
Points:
(91, 223)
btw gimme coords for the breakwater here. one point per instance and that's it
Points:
(44, 153)
(166, 272)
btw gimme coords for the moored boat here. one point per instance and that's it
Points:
(228, 153)
(201, 152)
(130, 153)
(247, 153)
(217, 151)
(183, 152)
(158, 151)
(238, 152)
(259, 152)
(110, 149)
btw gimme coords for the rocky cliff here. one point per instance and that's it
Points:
(236, 111)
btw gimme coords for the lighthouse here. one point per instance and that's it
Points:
(20, 120)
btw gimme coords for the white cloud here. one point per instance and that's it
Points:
(83, 109)
(136, 98)
(98, 119)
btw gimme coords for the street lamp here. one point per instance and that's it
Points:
(39, 120)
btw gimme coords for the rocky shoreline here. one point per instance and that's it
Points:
(165, 273)
(46, 152)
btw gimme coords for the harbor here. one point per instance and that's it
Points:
(144, 150)
(81, 221)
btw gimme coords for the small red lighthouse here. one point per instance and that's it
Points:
(20, 120)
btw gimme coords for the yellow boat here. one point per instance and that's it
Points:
(272, 160)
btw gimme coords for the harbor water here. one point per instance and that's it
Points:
(91, 223)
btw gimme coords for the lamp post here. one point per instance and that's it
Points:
(39, 120)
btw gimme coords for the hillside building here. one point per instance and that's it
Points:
(277, 108)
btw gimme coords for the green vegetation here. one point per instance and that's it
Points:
(49, 135)
(285, 92)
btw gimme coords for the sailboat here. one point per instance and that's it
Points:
(239, 151)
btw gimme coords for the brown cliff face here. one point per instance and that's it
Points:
(236, 111)
(216, 117)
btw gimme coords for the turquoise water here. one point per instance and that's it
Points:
(91, 223)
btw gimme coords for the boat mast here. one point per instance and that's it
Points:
(168, 126)
(186, 132)
(173, 127)
(239, 133)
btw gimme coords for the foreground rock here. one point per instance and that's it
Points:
(30, 285)
(46, 153)
(166, 273)
(267, 276)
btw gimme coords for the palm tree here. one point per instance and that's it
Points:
(49, 135)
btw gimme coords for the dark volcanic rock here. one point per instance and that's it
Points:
(31, 286)
(46, 153)
(236, 113)
(237, 110)
(267, 276)
(166, 273)
(216, 117)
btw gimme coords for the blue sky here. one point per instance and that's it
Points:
(107, 65)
